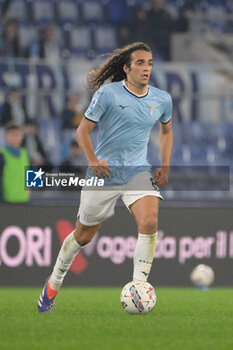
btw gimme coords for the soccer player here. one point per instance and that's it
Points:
(126, 110)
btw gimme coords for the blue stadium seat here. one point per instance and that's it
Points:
(215, 135)
(80, 39)
(49, 133)
(68, 11)
(105, 38)
(211, 155)
(181, 155)
(177, 133)
(43, 11)
(228, 151)
(19, 9)
(27, 34)
(196, 133)
(204, 144)
(116, 10)
(92, 11)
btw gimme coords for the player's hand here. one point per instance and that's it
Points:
(161, 176)
(100, 168)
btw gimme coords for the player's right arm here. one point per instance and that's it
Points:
(99, 167)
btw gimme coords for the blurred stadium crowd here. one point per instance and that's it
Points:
(57, 29)
(59, 32)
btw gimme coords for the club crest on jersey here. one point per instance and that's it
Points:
(152, 108)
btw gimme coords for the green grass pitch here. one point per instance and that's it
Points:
(92, 318)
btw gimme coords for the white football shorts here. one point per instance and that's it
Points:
(98, 204)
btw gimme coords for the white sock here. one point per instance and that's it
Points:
(143, 256)
(68, 251)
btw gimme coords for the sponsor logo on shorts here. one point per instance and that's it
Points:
(153, 183)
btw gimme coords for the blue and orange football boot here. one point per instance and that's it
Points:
(46, 300)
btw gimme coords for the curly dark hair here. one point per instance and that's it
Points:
(112, 68)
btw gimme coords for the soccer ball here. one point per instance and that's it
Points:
(202, 276)
(138, 297)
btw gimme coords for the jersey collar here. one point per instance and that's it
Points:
(131, 92)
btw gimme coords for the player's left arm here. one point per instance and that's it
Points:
(166, 142)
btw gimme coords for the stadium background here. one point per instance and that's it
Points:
(195, 66)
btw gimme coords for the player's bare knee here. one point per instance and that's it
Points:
(84, 234)
(148, 225)
(82, 241)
